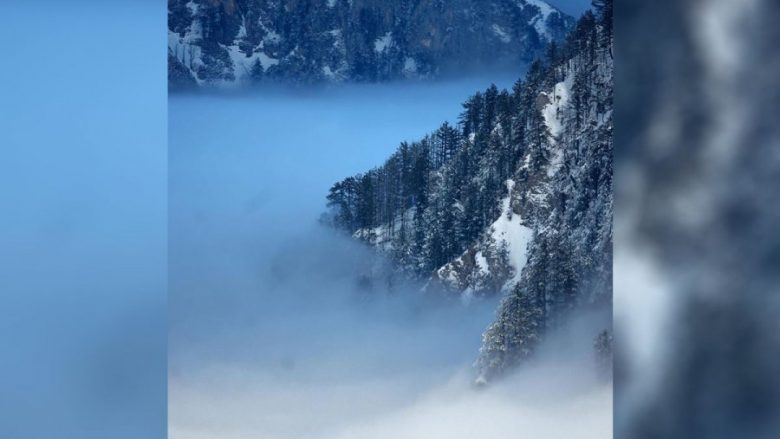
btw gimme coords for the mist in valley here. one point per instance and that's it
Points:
(282, 328)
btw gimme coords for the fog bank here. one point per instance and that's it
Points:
(280, 328)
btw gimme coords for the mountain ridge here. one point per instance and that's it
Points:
(515, 200)
(239, 42)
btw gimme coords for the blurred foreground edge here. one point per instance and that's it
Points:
(697, 310)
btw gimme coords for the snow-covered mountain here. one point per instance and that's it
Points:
(515, 200)
(217, 42)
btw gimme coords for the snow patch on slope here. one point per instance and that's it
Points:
(383, 42)
(193, 7)
(328, 72)
(380, 237)
(540, 21)
(482, 263)
(509, 230)
(551, 113)
(502, 34)
(185, 48)
(383, 236)
(242, 64)
(410, 66)
(241, 32)
(501, 255)
(559, 98)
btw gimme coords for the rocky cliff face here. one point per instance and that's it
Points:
(219, 42)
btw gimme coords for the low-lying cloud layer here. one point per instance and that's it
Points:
(282, 329)
(328, 359)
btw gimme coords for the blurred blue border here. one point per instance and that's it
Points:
(83, 233)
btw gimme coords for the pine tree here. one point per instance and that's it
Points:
(515, 334)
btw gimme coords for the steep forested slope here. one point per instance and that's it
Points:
(516, 199)
(308, 41)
